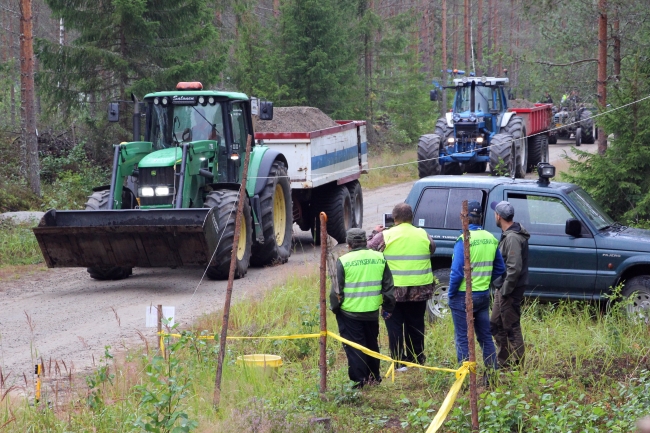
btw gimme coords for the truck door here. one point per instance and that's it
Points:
(559, 265)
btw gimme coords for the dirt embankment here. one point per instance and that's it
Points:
(295, 119)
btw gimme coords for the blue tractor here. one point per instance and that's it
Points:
(479, 130)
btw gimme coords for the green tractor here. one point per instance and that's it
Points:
(173, 197)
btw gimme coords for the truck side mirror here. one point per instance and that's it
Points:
(573, 227)
(266, 110)
(113, 112)
(433, 95)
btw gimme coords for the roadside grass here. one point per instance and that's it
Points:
(391, 175)
(585, 370)
(18, 245)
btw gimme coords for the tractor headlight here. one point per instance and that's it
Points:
(211, 100)
(456, 117)
(162, 190)
(165, 101)
(479, 139)
(451, 140)
(156, 100)
(201, 100)
(146, 191)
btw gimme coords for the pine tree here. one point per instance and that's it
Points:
(128, 46)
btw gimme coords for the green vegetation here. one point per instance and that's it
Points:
(377, 176)
(585, 371)
(18, 245)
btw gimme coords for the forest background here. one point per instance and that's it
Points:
(364, 59)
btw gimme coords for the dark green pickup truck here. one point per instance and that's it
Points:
(576, 250)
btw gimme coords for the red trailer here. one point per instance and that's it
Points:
(538, 122)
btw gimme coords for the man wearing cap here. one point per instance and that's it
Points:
(407, 250)
(506, 313)
(487, 264)
(364, 284)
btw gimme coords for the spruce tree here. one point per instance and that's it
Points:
(125, 46)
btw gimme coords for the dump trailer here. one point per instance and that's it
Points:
(325, 168)
(173, 195)
(479, 130)
(538, 122)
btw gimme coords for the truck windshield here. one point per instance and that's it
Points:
(483, 100)
(591, 209)
(178, 123)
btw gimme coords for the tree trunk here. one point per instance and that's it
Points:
(443, 103)
(479, 38)
(276, 8)
(28, 118)
(602, 69)
(490, 46)
(617, 44)
(13, 83)
(468, 45)
(454, 32)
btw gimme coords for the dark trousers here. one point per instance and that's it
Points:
(406, 331)
(362, 368)
(505, 326)
(481, 302)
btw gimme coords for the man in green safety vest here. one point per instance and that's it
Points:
(407, 250)
(364, 283)
(487, 265)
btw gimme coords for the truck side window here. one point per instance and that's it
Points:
(431, 209)
(540, 214)
(455, 205)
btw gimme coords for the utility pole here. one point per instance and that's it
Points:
(468, 45)
(443, 103)
(479, 38)
(28, 117)
(602, 69)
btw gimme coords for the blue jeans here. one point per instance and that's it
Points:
(481, 301)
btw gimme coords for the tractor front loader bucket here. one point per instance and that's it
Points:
(128, 238)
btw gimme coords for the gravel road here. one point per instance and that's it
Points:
(63, 315)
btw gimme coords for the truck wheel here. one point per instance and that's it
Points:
(501, 155)
(99, 201)
(225, 204)
(552, 139)
(578, 136)
(537, 151)
(356, 198)
(428, 154)
(337, 205)
(437, 306)
(637, 290)
(587, 126)
(517, 129)
(276, 218)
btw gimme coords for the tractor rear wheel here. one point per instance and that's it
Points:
(501, 161)
(537, 151)
(356, 198)
(224, 202)
(578, 136)
(587, 126)
(99, 201)
(517, 129)
(428, 154)
(276, 218)
(337, 205)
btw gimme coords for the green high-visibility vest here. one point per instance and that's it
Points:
(408, 255)
(482, 251)
(364, 271)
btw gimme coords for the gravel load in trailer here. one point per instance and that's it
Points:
(325, 164)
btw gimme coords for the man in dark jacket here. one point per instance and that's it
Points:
(364, 283)
(506, 312)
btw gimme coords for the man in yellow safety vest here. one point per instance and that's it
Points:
(364, 283)
(487, 265)
(407, 250)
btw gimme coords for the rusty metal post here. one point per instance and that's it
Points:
(216, 399)
(322, 361)
(469, 311)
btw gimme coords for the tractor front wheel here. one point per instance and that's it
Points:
(224, 203)
(276, 218)
(99, 201)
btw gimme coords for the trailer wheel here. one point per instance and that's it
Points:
(578, 136)
(276, 218)
(552, 139)
(356, 199)
(428, 153)
(337, 205)
(588, 128)
(224, 202)
(537, 151)
(99, 201)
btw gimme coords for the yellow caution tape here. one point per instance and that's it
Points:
(447, 404)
